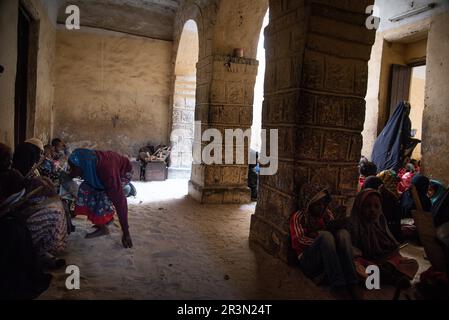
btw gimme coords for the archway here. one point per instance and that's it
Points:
(258, 89)
(184, 101)
(315, 84)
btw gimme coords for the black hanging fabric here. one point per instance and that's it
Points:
(394, 140)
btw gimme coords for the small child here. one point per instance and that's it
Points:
(48, 168)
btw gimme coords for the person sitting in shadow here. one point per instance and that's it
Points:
(366, 169)
(36, 204)
(421, 183)
(371, 235)
(391, 206)
(318, 248)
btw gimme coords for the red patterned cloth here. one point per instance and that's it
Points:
(301, 235)
(95, 219)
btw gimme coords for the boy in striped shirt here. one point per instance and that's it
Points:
(320, 250)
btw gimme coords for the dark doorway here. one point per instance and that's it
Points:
(399, 85)
(407, 83)
(22, 83)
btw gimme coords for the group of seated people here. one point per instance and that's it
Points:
(397, 190)
(341, 247)
(34, 220)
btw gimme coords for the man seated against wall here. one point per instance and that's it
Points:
(322, 246)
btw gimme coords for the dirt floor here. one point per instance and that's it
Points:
(184, 250)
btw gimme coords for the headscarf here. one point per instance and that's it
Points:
(439, 191)
(373, 238)
(406, 181)
(409, 167)
(37, 142)
(310, 194)
(389, 180)
(421, 184)
(26, 155)
(388, 148)
(373, 183)
(86, 159)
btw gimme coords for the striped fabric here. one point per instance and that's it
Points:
(48, 227)
(301, 236)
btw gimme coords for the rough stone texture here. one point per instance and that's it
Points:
(193, 24)
(229, 107)
(45, 86)
(238, 26)
(8, 58)
(147, 18)
(435, 124)
(224, 95)
(317, 53)
(183, 123)
(41, 92)
(112, 90)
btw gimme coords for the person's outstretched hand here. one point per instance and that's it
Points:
(126, 240)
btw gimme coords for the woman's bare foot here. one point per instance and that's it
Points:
(100, 231)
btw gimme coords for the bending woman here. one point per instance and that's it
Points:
(101, 194)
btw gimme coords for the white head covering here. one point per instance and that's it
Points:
(38, 143)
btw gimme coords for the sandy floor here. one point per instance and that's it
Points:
(183, 250)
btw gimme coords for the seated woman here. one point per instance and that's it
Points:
(421, 183)
(370, 234)
(35, 202)
(105, 173)
(48, 168)
(391, 206)
(317, 248)
(390, 181)
(366, 169)
(61, 153)
(436, 191)
(27, 157)
(405, 181)
(23, 277)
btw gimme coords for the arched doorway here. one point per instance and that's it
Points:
(258, 90)
(183, 114)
